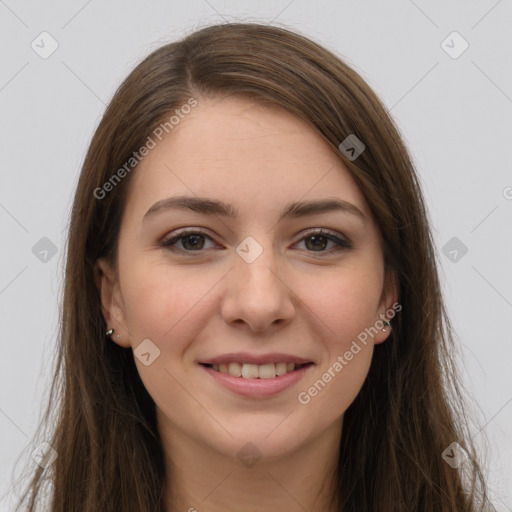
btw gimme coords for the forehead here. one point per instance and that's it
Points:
(245, 153)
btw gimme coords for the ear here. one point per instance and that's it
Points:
(388, 308)
(111, 301)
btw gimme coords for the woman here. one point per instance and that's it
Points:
(252, 316)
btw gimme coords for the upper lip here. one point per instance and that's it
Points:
(245, 357)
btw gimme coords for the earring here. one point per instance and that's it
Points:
(387, 324)
(110, 332)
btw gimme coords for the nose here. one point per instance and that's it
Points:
(257, 294)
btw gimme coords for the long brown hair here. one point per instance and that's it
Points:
(410, 408)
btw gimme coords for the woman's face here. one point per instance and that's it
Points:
(261, 282)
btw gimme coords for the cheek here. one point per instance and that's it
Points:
(346, 302)
(330, 395)
(339, 378)
(162, 305)
(347, 306)
(164, 302)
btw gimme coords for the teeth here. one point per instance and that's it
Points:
(235, 369)
(266, 371)
(250, 371)
(281, 368)
(255, 371)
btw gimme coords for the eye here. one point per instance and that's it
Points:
(315, 240)
(192, 241)
(320, 238)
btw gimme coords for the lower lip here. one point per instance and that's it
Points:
(258, 388)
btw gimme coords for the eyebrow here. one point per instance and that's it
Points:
(208, 206)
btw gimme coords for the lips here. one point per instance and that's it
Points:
(256, 375)
(256, 388)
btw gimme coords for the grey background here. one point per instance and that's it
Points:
(454, 114)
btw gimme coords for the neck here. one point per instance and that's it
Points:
(202, 479)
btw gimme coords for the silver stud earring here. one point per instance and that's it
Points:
(387, 324)
(110, 332)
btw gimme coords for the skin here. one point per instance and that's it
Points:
(294, 298)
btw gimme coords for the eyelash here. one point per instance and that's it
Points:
(341, 244)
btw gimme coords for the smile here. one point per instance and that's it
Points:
(257, 381)
(255, 371)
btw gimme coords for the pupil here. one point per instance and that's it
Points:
(194, 244)
(316, 239)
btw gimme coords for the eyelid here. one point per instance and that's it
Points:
(166, 240)
(338, 236)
